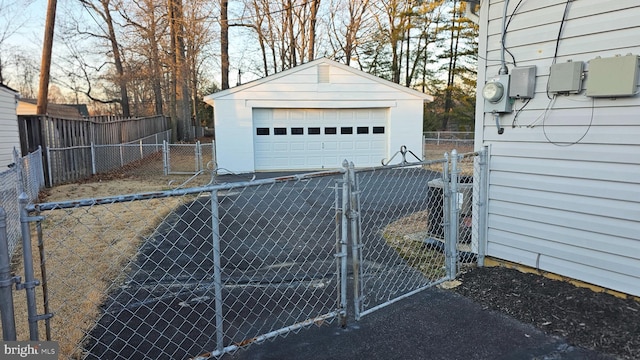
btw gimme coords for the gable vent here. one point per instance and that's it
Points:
(324, 75)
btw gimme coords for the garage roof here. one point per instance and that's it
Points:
(210, 99)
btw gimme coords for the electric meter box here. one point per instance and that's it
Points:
(496, 95)
(613, 77)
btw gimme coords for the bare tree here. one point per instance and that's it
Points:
(12, 19)
(460, 38)
(102, 8)
(180, 79)
(199, 33)
(347, 32)
(148, 20)
(286, 31)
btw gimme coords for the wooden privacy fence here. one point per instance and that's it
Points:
(68, 143)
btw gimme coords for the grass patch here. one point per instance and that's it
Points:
(87, 252)
(406, 236)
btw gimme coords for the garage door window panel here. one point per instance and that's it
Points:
(323, 139)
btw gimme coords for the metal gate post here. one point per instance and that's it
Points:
(217, 271)
(93, 159)
(451, 242)
(481, 207)
(343, 238)
(165, 157)
(6, 283)
(45, 285)
(198, 155)
(29, 278)
(356, 246)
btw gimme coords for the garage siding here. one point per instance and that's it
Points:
(297, 98)
(564, 185)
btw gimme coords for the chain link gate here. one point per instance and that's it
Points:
(391, 207)
(411, 226)
(203, 271)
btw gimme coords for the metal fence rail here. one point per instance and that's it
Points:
(204, 271)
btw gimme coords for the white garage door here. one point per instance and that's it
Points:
(307, 139)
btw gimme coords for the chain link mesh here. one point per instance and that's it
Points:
(25, 176)
(467, 249)
(189, 158)
(396, 207)
(133, 277)
(78, 163)
(9, 202)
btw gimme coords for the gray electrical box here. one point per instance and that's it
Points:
(523, 82)
(496, 95)
(613, 77)
(566, 78)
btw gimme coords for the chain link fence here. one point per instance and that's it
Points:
(66, 164)
(189, 158)
(202, 271)
(180, 273)
(151, 159)
(437, 143)
(25, 175)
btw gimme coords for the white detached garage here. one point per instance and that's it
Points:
(313, 117)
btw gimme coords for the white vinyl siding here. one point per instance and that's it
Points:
(9, 134)
(564, 184)
(298, 89)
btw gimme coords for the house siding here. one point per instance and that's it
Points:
(564, 184)
(9, 133)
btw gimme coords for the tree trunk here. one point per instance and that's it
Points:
(315, 4)
(451, 70)
(181, 71)
(117, 59)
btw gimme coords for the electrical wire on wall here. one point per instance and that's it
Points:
(555, 53)
(553, 97)
(504, 34)
(503, 37)
(514, 123)
(562, 143)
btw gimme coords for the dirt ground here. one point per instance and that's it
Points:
(585, 318)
